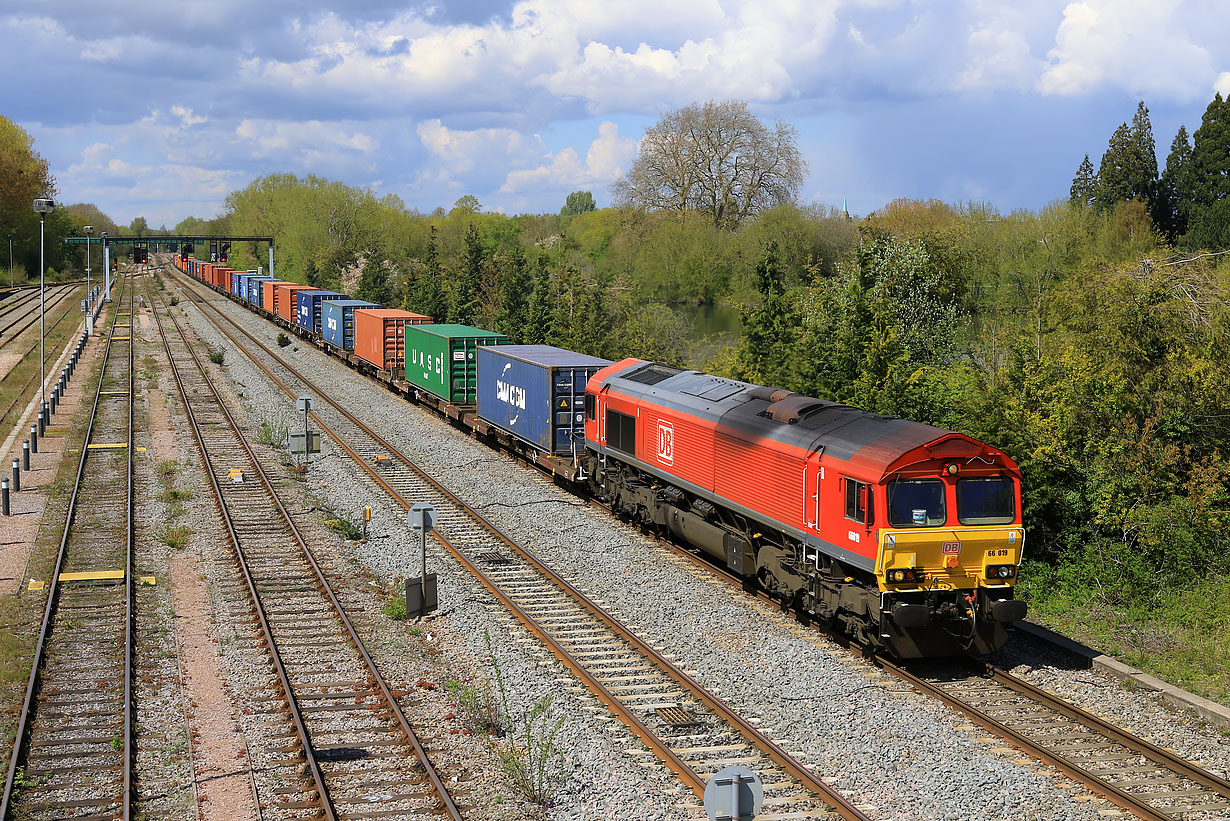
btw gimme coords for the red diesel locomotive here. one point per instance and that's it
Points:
(905, 536)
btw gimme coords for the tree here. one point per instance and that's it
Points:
(515, 289)
(716, 158)
(539, 311)
(469, 279)
(467, 204)
(1173, 202)
(770, 329)
(428, 293)
(1210, 161)
(1084, 185)
(1129, 166)
(578, 202)
(374, 283)
(24, 174)
(138, 226)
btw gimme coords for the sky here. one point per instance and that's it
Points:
(159, 108)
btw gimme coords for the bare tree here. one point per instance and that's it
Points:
(717, 158)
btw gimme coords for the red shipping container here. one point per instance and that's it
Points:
(284, 298)
(379, 336)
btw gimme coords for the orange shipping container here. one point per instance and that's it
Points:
(284, 299)
(380, 337)
(268, 295)
(222, 277)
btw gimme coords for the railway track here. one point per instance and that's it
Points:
(352, 754)
(1150, 782)
(20, 394)
(21, 312)
(691, 730)
(73, 755)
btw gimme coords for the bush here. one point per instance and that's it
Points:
(174, 301)
(283, 340)
(530, 758)
(478, 706)
(271, 433)
(341, 524)
(216, 357)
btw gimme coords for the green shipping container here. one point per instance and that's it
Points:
(443, 359)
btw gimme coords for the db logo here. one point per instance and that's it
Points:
(951, 548)
(666, 443)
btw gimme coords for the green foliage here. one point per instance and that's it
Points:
(578, 202)
(174, 536)
(283, 340)
(1210, 159)
(271, 433)
(217, 357)
(344, 526)
(479, 706)
(1129, 166)
(529, 755)
(395, 607)
(1084, 185)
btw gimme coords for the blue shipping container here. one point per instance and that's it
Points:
(536, 393)
(337, 321)
(254, 293)
(235, 275)
(307, 307)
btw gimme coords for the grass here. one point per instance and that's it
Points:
(1178, 637)
(283, 340)
(342, 525)
(395, 607)
(271, 433)
(217, 357)
(174, 495)
(174, 536)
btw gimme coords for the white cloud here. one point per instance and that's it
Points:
(461, 150)
(187, 118)
(1141, 46)
(605, 160)
(1222, 84)
(998, 57)
(304, 139)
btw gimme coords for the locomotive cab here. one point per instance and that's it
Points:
(950, 541)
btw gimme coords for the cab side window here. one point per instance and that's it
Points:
(858, 501)
(589, 406)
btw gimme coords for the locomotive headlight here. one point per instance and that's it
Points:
(999, 572)
(909, 575)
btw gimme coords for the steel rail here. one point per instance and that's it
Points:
(761, 742)
(34, 376)
(61, 292)
(433, 776)
(32, 685)
(1070, 767)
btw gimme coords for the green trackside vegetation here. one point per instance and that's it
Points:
(1090, 340)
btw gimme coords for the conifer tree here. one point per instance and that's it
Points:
(374, 285)
(1210, 160)
(1173, 203)
(538, 322)
(1084, 185)
(771, 328)
(429, 292)
(469, 279)
(1129, 166)
(516, 285)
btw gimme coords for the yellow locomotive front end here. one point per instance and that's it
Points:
(948, 559)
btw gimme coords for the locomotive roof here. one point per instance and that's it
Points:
(877, 443)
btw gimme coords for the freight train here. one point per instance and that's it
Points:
(903, 536)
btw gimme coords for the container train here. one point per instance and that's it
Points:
(903, 536)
